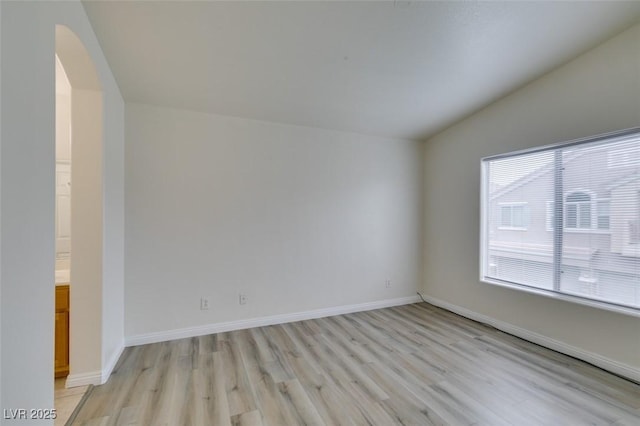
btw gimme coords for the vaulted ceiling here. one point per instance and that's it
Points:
(397, 69)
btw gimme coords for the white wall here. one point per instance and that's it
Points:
(63, 114)
(595, 93)
(27, 230)
(1, 137)
(27, 165)
(113, 229)
(63, 170)
(86, 236)
(296, 218)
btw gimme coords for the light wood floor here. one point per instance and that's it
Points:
(412, 365)
(66, 400)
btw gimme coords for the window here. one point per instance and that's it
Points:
(581, 216)
(603, 219)
(623, 157)
(578, 214)
(550, 216)
(578, 211)
(514, 216)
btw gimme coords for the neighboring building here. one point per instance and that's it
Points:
(601, 218)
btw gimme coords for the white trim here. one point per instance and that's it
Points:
(567, 297)
(605, 363)
(586, 231)
(484, 220)
(513, 203)
(111, 364)
(84, 379)
(201, 330)
(95, 377)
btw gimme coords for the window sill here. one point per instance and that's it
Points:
(625, 310)
(584, 231)
(511, 228)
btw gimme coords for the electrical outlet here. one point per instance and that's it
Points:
(204, 304)
(387, 283)
(242, 299)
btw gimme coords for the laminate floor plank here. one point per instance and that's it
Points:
(265, 389)
(487, 373)
(279, 369)
(365, 411)
(239, 393)
(323, 393)
(392, 338)
(396, 328)
(344, 346)
(365, 335)
(407, 365)
(250, 418)
(216, 401)
(423, 312)
(299, 401)
(344, 369)
(412, 402)
(174, 387)
(208, 343)
(126, 416)
(98, 421)
(563, 372)
(633, 421)
(376, 348)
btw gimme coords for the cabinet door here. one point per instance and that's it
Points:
(62, 344)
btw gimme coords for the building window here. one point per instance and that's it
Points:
(550, 217)
(577, 211)
(514, 216)
(578, 214)
(604, 216)
(582, 241)
(623, 158)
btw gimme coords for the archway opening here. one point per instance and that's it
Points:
(85, 239)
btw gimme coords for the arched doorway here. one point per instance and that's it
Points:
(86, 209)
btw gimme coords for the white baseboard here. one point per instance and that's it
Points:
(95, 377)
(163, 336)
(111, 364)
(608, 364)
(84, 379)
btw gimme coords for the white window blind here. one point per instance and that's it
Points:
(566, 219)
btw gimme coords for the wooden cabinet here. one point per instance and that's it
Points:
(62, 332)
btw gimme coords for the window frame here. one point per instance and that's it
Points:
(484, 204)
